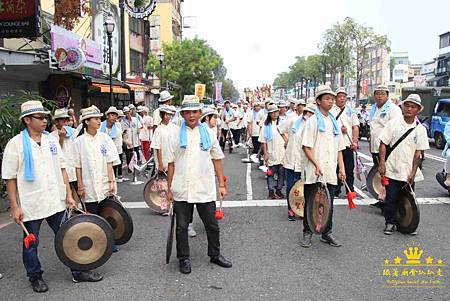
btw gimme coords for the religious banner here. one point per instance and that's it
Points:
(19, 19)
(219, 92)
(200, 90)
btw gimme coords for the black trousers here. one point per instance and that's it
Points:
(309, 188)
(206, 211)
(223, 138)
(237, 135)
(129, 153)
(349, 164)
(390, 202)
(256, 144)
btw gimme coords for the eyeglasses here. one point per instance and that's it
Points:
(40, 117)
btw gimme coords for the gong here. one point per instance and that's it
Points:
(408, 213)
(84, 242)
(297, 198)
(155, 194)
(441, 177)
(374, 185)
(319, 208)
(118, 218)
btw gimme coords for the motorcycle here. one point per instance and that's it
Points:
(364, 128)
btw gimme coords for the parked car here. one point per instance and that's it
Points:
(439, 119)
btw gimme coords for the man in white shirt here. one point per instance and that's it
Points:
(165, 99)
(253, 127)
(112, 127)
(228, 115)
(37, 183)
(145, 134)
(402, 166)
(194, 163)
(130, 127)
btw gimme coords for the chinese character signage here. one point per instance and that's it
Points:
(219, 92)
(19, 18)
(140, 8)
(200, 90)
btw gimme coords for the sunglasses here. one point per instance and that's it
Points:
(40, 117)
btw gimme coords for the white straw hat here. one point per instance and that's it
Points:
(191, 103)
(61, 114)
(32, 107)
(90, 112)
(164, 96)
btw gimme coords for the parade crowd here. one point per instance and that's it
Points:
(81, 160)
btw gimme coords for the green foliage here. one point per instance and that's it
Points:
(229, 91)
(187, 63)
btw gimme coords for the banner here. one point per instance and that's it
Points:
(19, 18)
(200, 90)
(140, 9)
(219, 92)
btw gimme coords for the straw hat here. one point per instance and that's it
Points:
(282, 104)
(414, 98)
(140, 109)
(131, 106)
(341, 90)
(121, 114)
(164, 96)
(381, 88)
(324, 89)
(191, 103)
(272, 108)
(310, 108)
(226, 101)
(61, 114)
(126, 109)
(32, 107)
(311, 99)
(167, 109)
(209, 111)
(301, 101)
(90, 112)
(112, 110)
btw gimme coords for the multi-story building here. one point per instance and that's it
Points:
(442, 71)
(428, 69)
(377, 66)
(165, 24)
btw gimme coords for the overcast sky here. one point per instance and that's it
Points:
(260, 38)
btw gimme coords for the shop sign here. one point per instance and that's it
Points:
(19, 19)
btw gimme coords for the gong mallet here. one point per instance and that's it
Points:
(219, 213)
(29, 239)
(351, 195)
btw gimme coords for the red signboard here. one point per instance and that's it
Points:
(19, 18)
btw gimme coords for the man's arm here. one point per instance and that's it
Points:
(170, 171)
(310, 155)
(70, 202)
(416, 163)
(218, 168)
(16, 211)
(382, 164)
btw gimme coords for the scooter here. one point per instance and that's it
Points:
(364, 128)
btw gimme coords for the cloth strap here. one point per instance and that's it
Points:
(403, 137)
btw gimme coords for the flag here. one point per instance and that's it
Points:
(200, 90)
(219, 92)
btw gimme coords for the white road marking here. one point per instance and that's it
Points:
(361, 193)
(436, 158)
(364, 156)
(249, 182)
(283, 203)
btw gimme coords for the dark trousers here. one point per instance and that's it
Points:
(256, 144)
(390, 202)
(223, 138)
(206, 211)
(349, 164)
(309, 188)
(277, 170)
(129, 153)
(291, 178)
(237, 135)
(117, 170)
(30, 255)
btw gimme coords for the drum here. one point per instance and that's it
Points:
(84, 241)
(155, 194)
(297, 198)
(119, 219)
(319, 208)
(408, 213)
(374, 186)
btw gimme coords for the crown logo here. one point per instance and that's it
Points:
(413, 257)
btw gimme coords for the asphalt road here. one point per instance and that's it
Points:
(268, 263)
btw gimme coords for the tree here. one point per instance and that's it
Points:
(229, 91)
(67, 12)
(188, 62)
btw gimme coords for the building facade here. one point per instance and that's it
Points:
(442, 71)
(165, 24)
(377, 66)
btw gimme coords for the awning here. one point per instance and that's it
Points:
(105, 88)
(135, 87)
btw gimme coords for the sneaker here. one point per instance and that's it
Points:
(272, 195)
(125, 179)
(389, 229)
(447, 183)
(306, 241)
(291, 216)
(86, 276)
(39, 285)
(119, 180)
(191, 231)
(329, 239)
(279, 194)
(185, 266)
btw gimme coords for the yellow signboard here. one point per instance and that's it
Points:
(200, 90)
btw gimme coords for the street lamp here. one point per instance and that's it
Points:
(109, 28)
(160, 56)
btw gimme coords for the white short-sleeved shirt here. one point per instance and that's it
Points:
(294, 158)
(146, 132)
(379, 122)
(227, 116)
(46, 195)
(156, 117)
(275, 147)
(325, 146)
(400, 162)
(252, 118)
(92, 154)
(349, 119)
(239, 123)
(130, 131)
(68, 151)
(161, 141)
(194, 176)
(261, 117)
(118, 141)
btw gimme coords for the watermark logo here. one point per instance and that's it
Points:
(414, 269)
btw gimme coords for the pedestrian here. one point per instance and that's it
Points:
(37, 184)
(349, 123)
(253, 128)
(210, 117)
(292, 106)
(165, 99)
(294, 159)
(120, 149)
(272, 144)
(130, 127)
(402, 166)
(146, 132)
(283, 106)
(227, 117)
(160, 142)
(323, 144)
(195, 161)
(111, 126)
(381, 113)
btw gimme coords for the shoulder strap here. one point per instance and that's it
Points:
(403, 137)
(340, 113)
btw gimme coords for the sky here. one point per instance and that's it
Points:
(259, 39)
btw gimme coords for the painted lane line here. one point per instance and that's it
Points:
(249, 182)
(436, 158)
(4, 225)
(364, 156)
(361, 193)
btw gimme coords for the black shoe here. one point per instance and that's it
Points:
(389, 229)
(306, 241)
(87, 276)
(221, 261)
(185, 266)
(329, 239)
(377, 205)
(39, 285)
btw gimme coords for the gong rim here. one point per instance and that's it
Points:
(441, 177)
(152, 198)
(79, 237)
(297, 198)
(118, 218)
(408, 214)
(320, 196)
(374, 185)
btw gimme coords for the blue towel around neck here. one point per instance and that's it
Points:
(268, 135)
(112, 133)
(205, 139)
(296, 125)
(69, 131)
(27, 156)
(321, 123)
(384, 109)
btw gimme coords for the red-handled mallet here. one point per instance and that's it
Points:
(384, 181)
(219, 213)
(351, 195)
(269, 172)
(29, 239)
